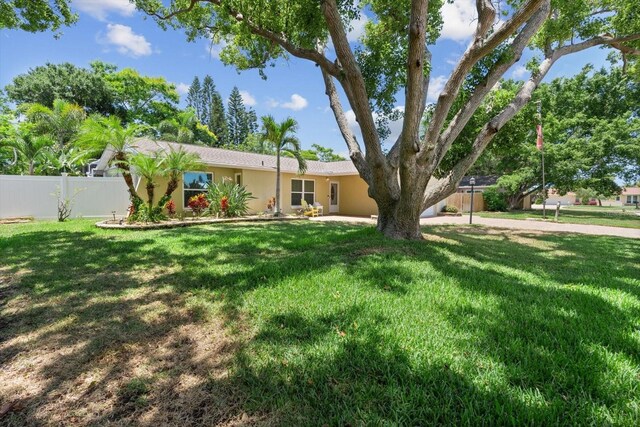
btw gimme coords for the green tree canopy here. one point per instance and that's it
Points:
(46, 83)
(36, 15)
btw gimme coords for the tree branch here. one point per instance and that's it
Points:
(479, 49)
(449, 184)
(355, 153)
(279, 39)
(355, 88)
(463, 116)
(415, 94)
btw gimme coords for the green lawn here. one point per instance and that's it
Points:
(601, 216)
(317, 324)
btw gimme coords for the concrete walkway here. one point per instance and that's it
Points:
(514, 224)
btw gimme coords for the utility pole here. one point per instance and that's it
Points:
(541, 147)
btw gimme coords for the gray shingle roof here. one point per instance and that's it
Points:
(242, 160)
(481, 181)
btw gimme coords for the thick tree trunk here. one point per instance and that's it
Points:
(128, 179)
(150, 190)
(399, 218)
(399, 223)
(514, 202)
(172, 185)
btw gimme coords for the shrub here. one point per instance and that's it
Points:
(143, 214)
(228, 199)
(170, 206)
(198, 204)
(494, 200)
(450, 209)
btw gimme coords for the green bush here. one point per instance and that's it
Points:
(450, 209)
(143, 214)
(228, 199)
(494, 200)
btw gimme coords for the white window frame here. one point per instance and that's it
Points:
(302, 193)
(632, 199)
(185, 200)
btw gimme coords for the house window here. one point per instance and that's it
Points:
(195, 183)
(303, 189)
(238, 178)
(632, 200)
(617, 198)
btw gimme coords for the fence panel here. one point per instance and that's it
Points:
(463, 201)
(35, 196)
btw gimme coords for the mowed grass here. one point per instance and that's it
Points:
(609, 217)
(317, 324)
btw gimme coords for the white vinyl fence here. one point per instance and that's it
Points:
(36, 196)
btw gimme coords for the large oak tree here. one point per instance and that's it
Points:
(393, 55)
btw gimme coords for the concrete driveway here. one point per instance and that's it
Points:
(514, 224)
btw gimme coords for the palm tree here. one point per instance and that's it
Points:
(29, 148)
(180, 128)
(281, 136)
(148, 167)
(70, 160)
(61, 121)
(176, 162)
(99, 133)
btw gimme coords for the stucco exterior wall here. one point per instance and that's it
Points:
(352, 190)
(262, 184)
(354, 199)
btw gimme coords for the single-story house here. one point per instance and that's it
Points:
(482, 182)
(630, 196)
(567, 199)
(334, 185)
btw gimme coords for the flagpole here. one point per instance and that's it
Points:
(544, 190)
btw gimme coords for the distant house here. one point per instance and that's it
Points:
(334, 185)
(482, 182)
(630, 196)
(553, 197)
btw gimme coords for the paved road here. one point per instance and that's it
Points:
(514, 224)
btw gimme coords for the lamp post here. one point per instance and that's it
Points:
(472, 181)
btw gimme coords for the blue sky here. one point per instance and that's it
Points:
(114, 32)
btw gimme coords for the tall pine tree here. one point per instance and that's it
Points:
(207, 95)
(236, 118)
(217, 119)
(194, 96)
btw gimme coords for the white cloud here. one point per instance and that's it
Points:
(296, 103)
(247, 98)
(459, 20)
(519, 72)
(357, 29)
(126, 41)
(395, 127)
(182, 88)
(100, 9)
(435, 87)
(214, 49)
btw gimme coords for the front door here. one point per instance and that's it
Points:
(333, 202)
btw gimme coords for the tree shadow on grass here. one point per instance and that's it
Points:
(117, 328)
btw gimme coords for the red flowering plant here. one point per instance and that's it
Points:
(198, 204)
(224, 205)
(170, 206)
